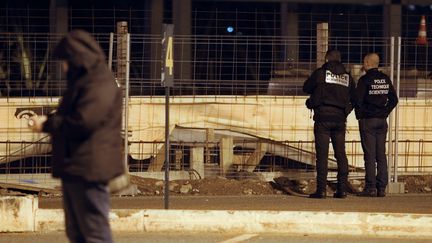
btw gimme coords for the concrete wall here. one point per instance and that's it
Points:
(279, 118)
(17, 213)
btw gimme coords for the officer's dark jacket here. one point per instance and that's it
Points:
(331, 91)
(375, 95)
(85, 130)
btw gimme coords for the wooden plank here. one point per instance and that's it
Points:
(29, 188)
(256, 157)
(322, 43)
(240, 159)
(122, 30)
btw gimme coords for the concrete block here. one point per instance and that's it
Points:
(289, 222)
(122, 220)
(396, 188)
(197, 160)
(127, 220)
(47, 220)
(17, 213)
(398, 225)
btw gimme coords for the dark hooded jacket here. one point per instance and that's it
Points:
(331, 91)
(85, 130)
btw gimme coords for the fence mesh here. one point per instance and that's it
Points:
(245, 85)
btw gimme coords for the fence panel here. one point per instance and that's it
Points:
(237, 90)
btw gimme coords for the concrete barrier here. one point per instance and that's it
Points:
(289, 222)
(17, 213)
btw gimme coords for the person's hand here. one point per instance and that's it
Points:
(35, 123)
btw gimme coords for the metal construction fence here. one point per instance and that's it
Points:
(212, 65)
(252, 77)
(213, 17)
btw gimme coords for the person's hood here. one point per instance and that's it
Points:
(335, 67)
(80, 49)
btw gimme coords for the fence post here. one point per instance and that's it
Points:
(390, 119)
(393, 185)
(122, 30)
(110, 51)
(322, 43)
(122, 76)
(396, 157)
(126, 105)
(167, 81)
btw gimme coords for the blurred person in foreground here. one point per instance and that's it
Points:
(331, 90)
(85, 136)
(375, 99)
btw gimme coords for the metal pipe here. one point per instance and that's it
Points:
(390, 120)
(126, 93)
(167, 147)
(397, 111)
(110, 51)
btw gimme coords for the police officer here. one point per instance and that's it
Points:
(331, 91)
(375, 99)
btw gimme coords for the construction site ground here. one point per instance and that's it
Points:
(244, 207)
(230, 194)
(251, 194)
(401, 203)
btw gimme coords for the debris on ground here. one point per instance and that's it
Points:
(417, 184)
(220, 186)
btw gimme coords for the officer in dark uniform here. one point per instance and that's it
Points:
(375, 99)
(331, 91)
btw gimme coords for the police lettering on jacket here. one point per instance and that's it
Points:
(379, 87)
(340, 79)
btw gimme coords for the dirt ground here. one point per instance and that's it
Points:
(213, 186)
(282, 185)
(417, 184)
(220, 186)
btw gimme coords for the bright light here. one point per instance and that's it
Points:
(411, 7)
(230, 29)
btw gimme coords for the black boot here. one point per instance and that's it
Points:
(381, 192)
(340, 194)
(318, 194)
(341, 189)
(368, 192)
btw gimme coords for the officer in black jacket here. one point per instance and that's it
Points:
(331, 91)
(375, 99)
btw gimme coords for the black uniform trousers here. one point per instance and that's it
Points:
(86, 207)
(323, 131)
(373, 132)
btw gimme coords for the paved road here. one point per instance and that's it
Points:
(401, 203)
(205, 238)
